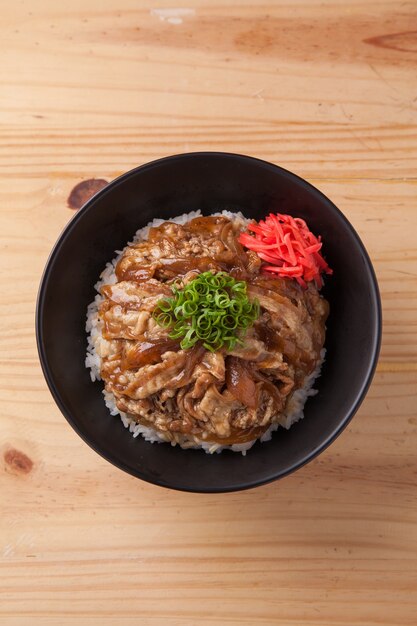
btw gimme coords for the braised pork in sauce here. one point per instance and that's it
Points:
(220, 397)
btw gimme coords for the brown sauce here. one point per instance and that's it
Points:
(137, 272)
(183, 266)
(147, 353)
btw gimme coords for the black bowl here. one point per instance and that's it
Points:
(209, 182)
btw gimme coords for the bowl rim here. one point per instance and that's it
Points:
(271, 477)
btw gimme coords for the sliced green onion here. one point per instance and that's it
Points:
(213, 309)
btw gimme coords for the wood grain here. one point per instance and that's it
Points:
(327, 89)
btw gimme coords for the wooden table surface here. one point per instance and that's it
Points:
(91, 88)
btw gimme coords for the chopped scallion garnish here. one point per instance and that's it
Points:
(213, 308)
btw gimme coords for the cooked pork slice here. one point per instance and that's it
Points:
(252, 349)
(217, 408)
(213, 362)
(119, 323)
(152, 378)
(143, 408)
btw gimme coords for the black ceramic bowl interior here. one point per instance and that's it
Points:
(209, 182)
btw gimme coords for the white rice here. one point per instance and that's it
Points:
(97, 349)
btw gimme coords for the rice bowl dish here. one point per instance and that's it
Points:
(221, 390)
